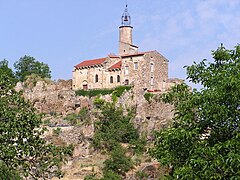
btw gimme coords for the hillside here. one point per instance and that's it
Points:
(68, 123)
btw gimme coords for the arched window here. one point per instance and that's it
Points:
(96, 78)
(118, 78)
(111, 79)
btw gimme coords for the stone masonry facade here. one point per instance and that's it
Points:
(145, 70)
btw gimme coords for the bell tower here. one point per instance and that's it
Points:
(125, 34)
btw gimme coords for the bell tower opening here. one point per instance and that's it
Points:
(125, 34)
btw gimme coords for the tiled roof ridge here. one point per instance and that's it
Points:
(117, 65)
(91, 62)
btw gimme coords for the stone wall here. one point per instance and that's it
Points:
(147, 70)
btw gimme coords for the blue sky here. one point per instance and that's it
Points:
(62, 33)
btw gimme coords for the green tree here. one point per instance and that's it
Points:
(6, 70)
(22, 148)
(118, 162)
(28, 65)
(113, 127)
(204, 140)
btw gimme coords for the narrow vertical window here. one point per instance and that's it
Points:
(111, 79)
(152, 81)
(118, 78)
(96, 78)
(126, 70)
(135, 65)
(151, 67)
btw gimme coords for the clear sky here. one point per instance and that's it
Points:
(62, 33)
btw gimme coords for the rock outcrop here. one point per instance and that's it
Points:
(55, 98)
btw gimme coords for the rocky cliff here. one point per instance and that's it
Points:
(57, 100)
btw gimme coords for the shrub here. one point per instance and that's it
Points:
(98, 102)
(57, 131)
(113, 126)
(118, 91)
(7, 173)
(75, 119)
(118, 162)
(110, 175)
(148, 97)
(90, 177)
(141, 175)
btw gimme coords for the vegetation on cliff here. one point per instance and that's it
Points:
(204, 140)
(23, 151)
(118, 91)
(113, 129)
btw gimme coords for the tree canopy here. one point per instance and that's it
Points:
(22, 149)
(203, 141)
(6, 70)
(28, 65)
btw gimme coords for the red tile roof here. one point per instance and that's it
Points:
(99, 61)
(118, 65)
(91, 62)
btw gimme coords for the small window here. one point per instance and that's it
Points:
(126, 82)
(152, 81)
(126, 70)
(118, 78)
(151, 67)
(135, 65)
(96, 78)
(111, 79)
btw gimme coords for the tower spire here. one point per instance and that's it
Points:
(126, 18)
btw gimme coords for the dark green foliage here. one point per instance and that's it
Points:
(118, 161)
(138, 145)
(110, 175)
(90, 177)
(98, 102)
(204, 139)
(141, 175)
(118, 91)
(6, 173)
(22, 148)
(28, 65)
(4, 69)
(148, 97)
(57, 131)
(113, 127)
(93, 92)
(83, 117)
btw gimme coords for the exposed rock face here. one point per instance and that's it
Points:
(53, 98)
(58, 98)
(149, 116)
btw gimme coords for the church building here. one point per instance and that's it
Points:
(146, 70)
